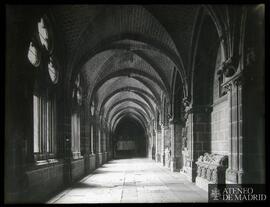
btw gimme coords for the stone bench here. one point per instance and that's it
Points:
(211, 169)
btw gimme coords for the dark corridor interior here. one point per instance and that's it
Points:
(129, 139)
(180, 85)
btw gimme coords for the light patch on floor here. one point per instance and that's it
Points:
(132, 181)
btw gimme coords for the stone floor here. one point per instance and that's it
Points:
(132, 181)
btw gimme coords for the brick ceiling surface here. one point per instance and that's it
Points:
(119, 60)
(179, 22)
(128, 95)
(93, 38)
(124, 96)
(116, 83)
(72, 20)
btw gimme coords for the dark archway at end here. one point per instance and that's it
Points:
(129, 139)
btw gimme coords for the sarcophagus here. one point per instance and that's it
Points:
(211, 169)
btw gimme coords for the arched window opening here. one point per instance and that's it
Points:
(53, 72)
(44, 98)
(92, 109)
(75, 119)
(33, 55)
(75, 129)
(44, 128)
(45, 33)
(41, 51)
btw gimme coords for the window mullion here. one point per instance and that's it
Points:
(41, 117)
(45, 126)
(79, 134)
(51, 128)
(54, 127)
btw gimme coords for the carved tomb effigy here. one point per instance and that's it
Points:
(211, 169)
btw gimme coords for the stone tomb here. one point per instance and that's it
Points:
(211, 169)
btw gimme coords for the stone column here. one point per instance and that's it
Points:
(99, 140)
(176, 144)
(167, 144)
(162, 145)
(108, 143)
(150, 144)
(105, 135)
(189, 165)
(198, 137)
(92, 157)
(92, 139)
(238, 84)
(235, 170)
(159, 144)
(104, 139)
(153, 149)
(173, 164)
(87, 139)
(86, 144)
(100, 146)
(156, 144)
(84, 133)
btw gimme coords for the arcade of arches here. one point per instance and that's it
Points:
(175, 84)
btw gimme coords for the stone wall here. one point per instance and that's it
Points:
(105, 157)
(220, 128)
(110, 155)
(201, 125)
(100, 160)
(89, 163)
(77, 169)
(43, 181)
(178, 146)
(159, 146)
(92, 162)
(167, 148)
(167, 137)
(150, 146)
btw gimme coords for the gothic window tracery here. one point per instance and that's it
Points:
(33, 55)
(41, 56)
(53, 72)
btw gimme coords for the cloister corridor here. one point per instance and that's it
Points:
(134, 180)
(134, 103)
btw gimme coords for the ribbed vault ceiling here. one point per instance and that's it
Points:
(127, 55)
(118, 98)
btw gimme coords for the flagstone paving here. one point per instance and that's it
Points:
(134, 180)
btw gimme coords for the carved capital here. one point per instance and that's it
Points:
(229, 66)
(169, 116)
(162, 125)
(77, 95)
(227, 87)
(250, 57)
(186, 107)
(238, 81)
(92, 108)
(186, 101)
